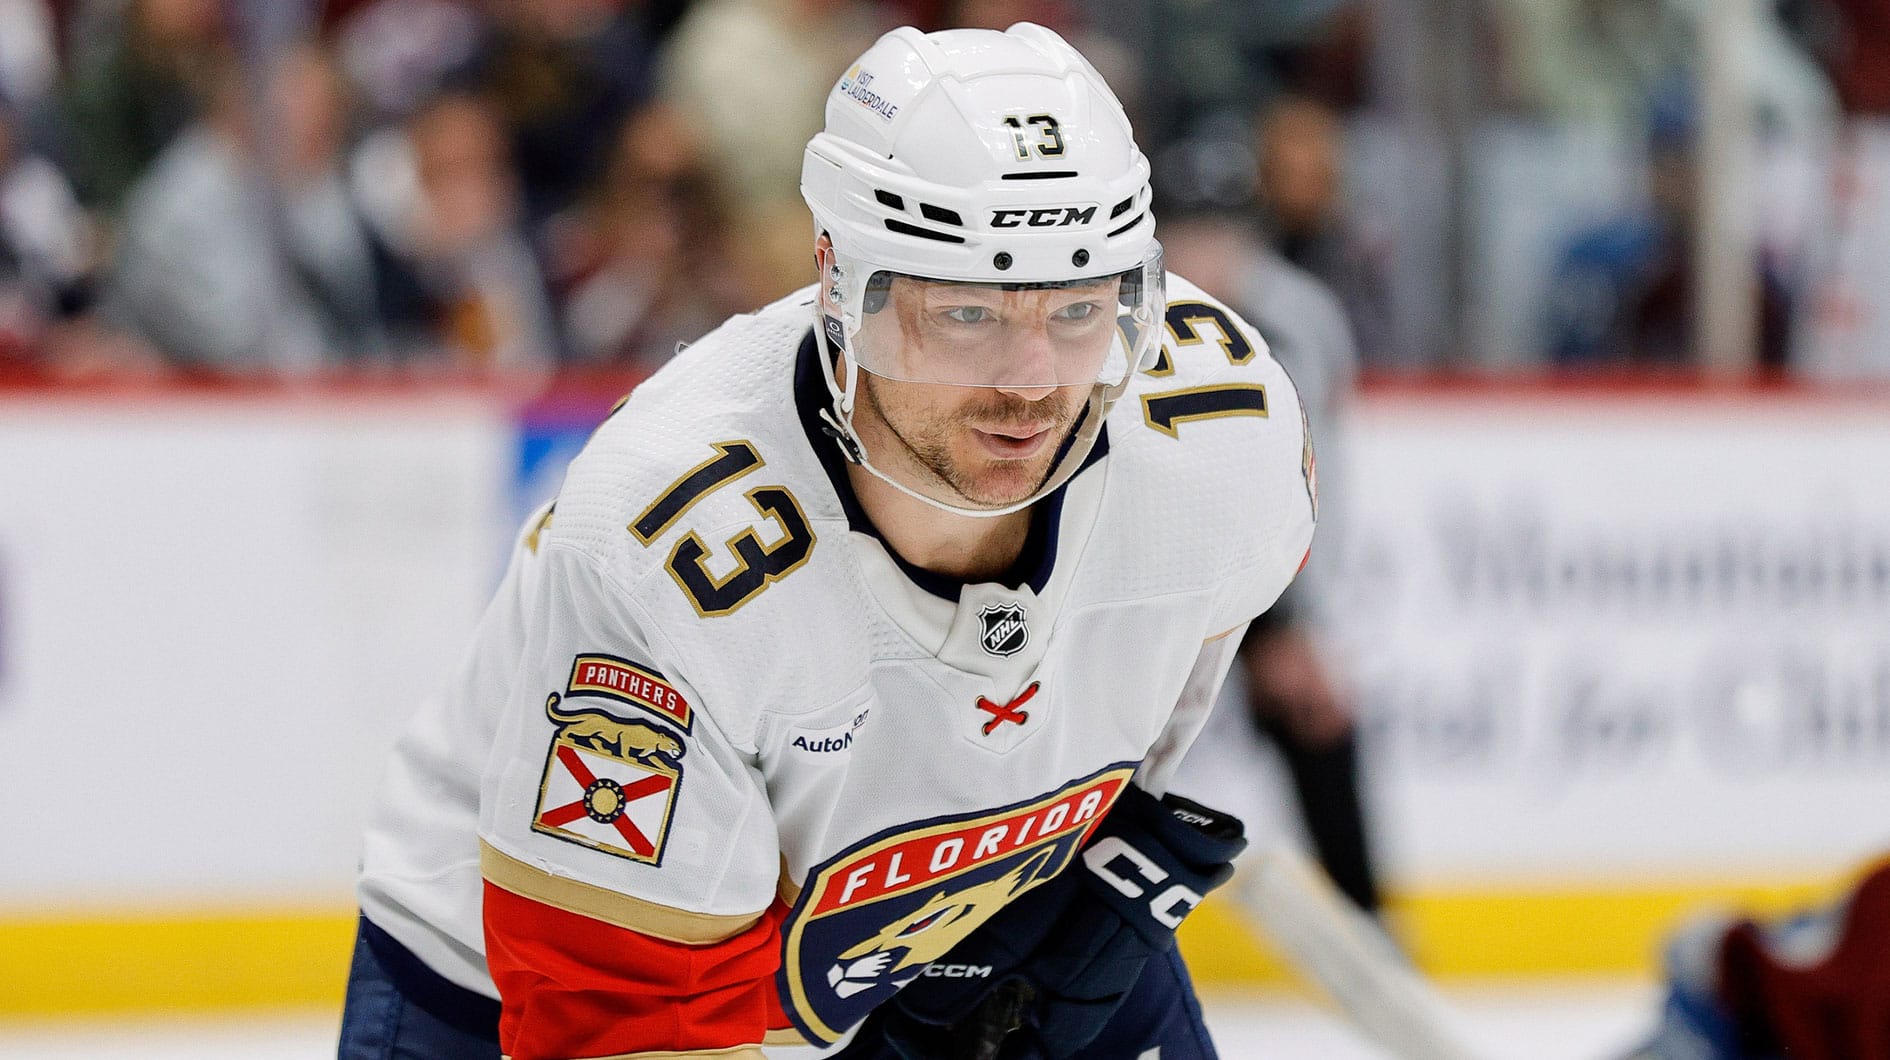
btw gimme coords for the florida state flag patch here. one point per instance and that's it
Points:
(609, 784)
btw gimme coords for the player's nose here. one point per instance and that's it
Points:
(1030, 363)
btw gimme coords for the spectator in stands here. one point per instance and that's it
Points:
(1083, 25)
(641, 264)
(1855, 49)
(46, 247)
(1844, 329)
(1001, 14)
(460, 281)
(562, 73)
(50, 254)
(753, 76)
(1300, 154)
(1209, 63)
(1596, 63)
(29, 57)
(1622, 292)
(138, 78)
(241, 249)
(398, 53)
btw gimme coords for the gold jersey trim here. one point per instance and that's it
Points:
(620, 910)
(788, 889)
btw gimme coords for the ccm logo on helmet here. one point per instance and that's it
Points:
(1043, 217)
(1110, 857)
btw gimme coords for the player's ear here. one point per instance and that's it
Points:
(827, 286)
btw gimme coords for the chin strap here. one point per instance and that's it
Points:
(834, 429)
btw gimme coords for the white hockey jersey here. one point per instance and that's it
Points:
(709, 708)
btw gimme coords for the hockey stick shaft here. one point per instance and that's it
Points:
(1348, 955)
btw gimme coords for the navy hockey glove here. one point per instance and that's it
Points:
(1064, 955)
(1144, 870)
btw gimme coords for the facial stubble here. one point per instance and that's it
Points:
(934, 455)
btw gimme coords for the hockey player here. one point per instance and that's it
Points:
(1814, 985)
(838, 692)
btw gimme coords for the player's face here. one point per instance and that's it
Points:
(1037, 352)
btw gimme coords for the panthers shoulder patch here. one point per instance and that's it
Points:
(610, 783)
(629, 683)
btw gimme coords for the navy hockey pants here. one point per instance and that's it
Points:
(398, 1009)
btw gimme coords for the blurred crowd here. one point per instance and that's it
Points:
(402, 185)
(425, 186)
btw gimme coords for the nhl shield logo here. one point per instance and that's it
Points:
(1002, 629)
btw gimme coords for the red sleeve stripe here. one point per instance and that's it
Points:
(575, 987)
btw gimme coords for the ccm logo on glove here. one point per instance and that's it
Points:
(1112, 860)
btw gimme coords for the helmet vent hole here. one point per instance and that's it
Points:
(1122, 208)
(905, 229)
(1136, 220)
(887, 198)
(941, 215)
(1048, 174)
(1002, 261)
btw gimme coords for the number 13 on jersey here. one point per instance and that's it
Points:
(757, 565)
(1165, 410)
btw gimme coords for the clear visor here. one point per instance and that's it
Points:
(1066, 333)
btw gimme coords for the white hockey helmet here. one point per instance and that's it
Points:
(999, 160)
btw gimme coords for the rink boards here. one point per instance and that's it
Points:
(1617, 653)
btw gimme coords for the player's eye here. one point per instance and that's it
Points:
(969, 314)
(1078, 311)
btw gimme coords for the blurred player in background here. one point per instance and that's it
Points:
(1299, 203)
(1284, 692)
(840, 690)
(1811, 986)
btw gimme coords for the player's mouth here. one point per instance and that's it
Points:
(1015, 443)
